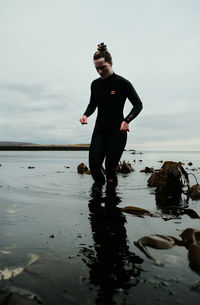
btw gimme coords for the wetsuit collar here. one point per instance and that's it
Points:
(109, 77)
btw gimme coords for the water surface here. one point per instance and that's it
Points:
(65, 243)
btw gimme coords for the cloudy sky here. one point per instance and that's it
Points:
(46, 68)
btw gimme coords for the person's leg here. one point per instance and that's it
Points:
(115, 148)
(96, 156)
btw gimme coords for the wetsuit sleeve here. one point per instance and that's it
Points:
(92, 104)
(135, 101)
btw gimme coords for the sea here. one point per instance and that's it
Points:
(62, 242)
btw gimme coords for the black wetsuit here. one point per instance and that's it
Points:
(109, 96)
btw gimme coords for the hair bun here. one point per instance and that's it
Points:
(102, 47)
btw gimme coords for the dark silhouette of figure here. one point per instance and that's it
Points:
(108, 95)
(112, 266)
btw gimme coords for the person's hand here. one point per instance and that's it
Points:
(83, 120)
(124, 126)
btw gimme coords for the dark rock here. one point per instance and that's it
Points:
(147, 170)
(194, 192)
(82, 168)
(137, 211)
(170, 176)
(191, 213)
(124, 168)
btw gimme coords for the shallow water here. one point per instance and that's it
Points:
(67, 244)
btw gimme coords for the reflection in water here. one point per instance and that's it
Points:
(112, 267)
(171, 202)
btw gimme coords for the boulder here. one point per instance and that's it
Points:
(171, 176)
(124, 168)
(194, 192)
(147, 170)
(82, 168)
(137, 211)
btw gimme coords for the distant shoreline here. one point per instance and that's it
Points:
(45, 147)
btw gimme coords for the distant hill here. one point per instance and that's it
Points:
(7, 143)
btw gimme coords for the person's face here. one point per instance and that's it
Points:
(103, 68)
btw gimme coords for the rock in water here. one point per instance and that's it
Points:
(171, 176)
(147, 170)
(124, 168)
(82, 168)
(140, 212)
(194, 192)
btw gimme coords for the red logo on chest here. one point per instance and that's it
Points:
(113, 92)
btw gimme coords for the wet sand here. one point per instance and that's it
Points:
(63, 243)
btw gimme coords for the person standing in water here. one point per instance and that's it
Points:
(108, 95)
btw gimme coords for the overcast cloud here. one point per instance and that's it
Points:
(46, 68)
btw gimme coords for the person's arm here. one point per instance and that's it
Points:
(92, 104)
(90, 108)
(135, 101)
